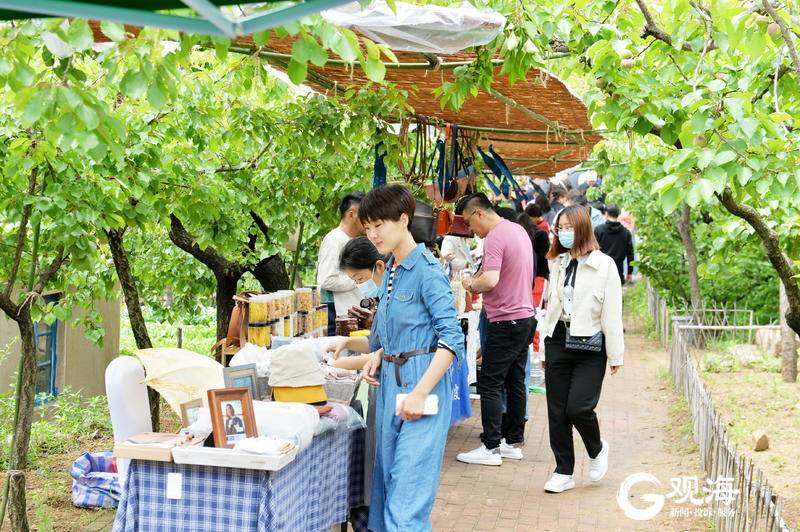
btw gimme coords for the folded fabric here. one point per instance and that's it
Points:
(338, 413)
(300, 394)
(293, 366)
(339, 374)
(266, 445)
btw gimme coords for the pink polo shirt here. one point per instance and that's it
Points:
(507, 249)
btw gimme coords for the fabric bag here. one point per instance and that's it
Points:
(95, 482)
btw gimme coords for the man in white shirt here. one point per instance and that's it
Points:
(339, 292)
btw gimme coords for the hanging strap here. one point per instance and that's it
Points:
(571, 274)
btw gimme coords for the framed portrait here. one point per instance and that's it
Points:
(189, 412)
(232, 416)
(243, 377)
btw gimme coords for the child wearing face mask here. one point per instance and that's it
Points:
(584, 298)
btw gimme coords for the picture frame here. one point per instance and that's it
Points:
(244, 376)
(232, 417)
(189, 411)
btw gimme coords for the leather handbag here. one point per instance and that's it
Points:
(585, 344)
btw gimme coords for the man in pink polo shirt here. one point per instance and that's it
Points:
(505, 280)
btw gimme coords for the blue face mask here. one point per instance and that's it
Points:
(368, 289)
(567, 238)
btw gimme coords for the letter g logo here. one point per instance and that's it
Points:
(623, 497)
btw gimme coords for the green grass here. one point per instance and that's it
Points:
(635, 306)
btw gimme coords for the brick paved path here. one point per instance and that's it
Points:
(634, 414)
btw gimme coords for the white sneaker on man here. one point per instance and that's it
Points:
(510, 451)
(482, 456)
(559, 483)
(598, 466)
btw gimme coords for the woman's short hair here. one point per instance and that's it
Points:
(543, 203)
(388, 202)
(360, 254)
(585, 242)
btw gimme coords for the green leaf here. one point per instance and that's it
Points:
(347, 48)
(260, 38)
(24, 75)
(724, 157)
(671, 199)
(156, 96)
(297, 71)
(112, 30)
(56, 45)
(33, 109)
(88, 116)
(664, 183)
(705, 158)
(79, 35)
(134, 84)
(745, 174)
(374, 69)
(716, 85)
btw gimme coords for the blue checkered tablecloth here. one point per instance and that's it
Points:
(314, 492)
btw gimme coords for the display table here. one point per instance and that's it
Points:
(314, 492)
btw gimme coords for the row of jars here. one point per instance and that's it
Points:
(303, 324)
(276, 305)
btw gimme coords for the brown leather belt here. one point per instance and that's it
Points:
(402, 358)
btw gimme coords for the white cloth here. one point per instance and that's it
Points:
(265, 445)
(596, 302)
(253, 354)
(329, 277)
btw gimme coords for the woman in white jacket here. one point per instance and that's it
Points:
(582, 327)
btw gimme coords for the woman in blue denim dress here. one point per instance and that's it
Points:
(415, 337)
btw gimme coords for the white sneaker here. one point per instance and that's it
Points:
(559, 483)
(482, 456)
(509, 451)
(598, 466)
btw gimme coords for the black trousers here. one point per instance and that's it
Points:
(573, 381)
(504, 361)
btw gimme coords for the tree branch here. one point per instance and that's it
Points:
(787, 37)
(783, 69)
(772, 246)
(22, 235)
(245, 165)
(50, 271)
(260, 223)
(651, 29)
(208, 256)
(9, 307)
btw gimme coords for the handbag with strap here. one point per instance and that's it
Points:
(237, 326)
(581, 344)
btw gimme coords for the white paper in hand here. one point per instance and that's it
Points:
(431, 407)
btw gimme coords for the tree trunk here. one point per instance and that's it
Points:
(271, 274)
(16, 502)
(685, 230)
(788, 345)
(19, 450)
(131, 295)
(226, 289)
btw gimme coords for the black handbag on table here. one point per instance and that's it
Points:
(581, 344)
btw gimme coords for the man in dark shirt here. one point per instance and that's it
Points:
(616, 241)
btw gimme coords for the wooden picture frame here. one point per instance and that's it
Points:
(189, 411)
(229, 428)
(244, 376)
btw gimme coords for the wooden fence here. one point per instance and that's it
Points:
(754, 505)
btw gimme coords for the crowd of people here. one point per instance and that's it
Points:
(549, 271)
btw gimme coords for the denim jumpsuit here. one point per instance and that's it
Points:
(419, 313)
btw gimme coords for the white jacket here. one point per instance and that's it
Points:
(596, 302)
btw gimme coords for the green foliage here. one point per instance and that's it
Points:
(198, 336)
(66, 418)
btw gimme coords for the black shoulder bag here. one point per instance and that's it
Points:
(581, 344)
